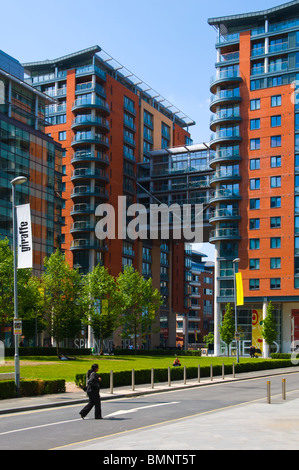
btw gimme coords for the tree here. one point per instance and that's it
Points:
(227, 329)
(208, 339)
(268, 331)
(103, 302)
(63, 308)
(141, 303)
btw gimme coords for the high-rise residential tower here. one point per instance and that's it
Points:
(255, 126)
(107, 120)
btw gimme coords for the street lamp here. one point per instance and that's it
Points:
(15, 182)
(235, 262)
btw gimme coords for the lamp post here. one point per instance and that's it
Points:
(15, 182)
(236, 262)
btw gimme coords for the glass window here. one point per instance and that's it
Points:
(255, 124)
(275, 283)
(276, 141)
(255, 144)
(254, 263)
(254, 244)
(254, 284)
(255, 104)
(275, 263)
(275, 181)
(275, 202)
(255, 164)
(275, 161)
(275, 222)
(254, 204)
(275, 242)
(276, 121)
(275, 100)
(255, 183)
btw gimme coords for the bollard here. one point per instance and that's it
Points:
(211, 371)
(152, 378)
(222, 371)
(111, 381)
(268, 391)
(283, 389)
(185, 375)
(169, 380)
(133, 379)
(198, 373)
(233, 369)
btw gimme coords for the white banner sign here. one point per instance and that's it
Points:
(24, 236)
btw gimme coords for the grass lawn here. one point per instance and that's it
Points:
(49, 367)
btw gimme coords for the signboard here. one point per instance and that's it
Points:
(17, 327)
(24, 236)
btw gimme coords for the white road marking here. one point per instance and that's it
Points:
(133, 410)
(40, 426)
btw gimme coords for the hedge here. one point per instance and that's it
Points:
(155, 352)
(36, 351)
(29, 388)
(123, 378)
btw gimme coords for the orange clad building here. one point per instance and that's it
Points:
(256, 199)
(108, 121)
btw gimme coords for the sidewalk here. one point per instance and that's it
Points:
(14, 405)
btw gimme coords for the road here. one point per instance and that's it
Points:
(63, 428)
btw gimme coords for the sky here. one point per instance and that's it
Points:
(166, 43)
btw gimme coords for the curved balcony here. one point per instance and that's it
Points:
(90, 156)
(225, 117)
(90, 103)
(221, 215)
(88, 173)
(225, 77)
(87, 244)
(225, 97)
(88, 191)
(89, 120)
(86, 138)
(225, 136)
(224, 234)
(225, 156)
(82, 226)
(82, 208)
(221, 176)
(222, 195)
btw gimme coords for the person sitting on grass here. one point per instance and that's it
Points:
(176, 362)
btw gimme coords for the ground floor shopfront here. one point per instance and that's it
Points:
(249, 321)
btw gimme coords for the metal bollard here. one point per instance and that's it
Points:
(211, 372)
(152, 378)
(169, 378)
(234, 369)
(222, 371)
(198, 373)
(111, 381)
(268, 391)
(133, 379)
(283, 389)
(185, 375)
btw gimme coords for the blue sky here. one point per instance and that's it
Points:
(166, 43)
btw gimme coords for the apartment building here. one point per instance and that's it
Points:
(255, 125)
(26, 150)
(108, 120)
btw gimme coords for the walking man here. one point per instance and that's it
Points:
(93, 392)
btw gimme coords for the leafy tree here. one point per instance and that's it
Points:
(141, 303)
(227, 329)
(63, 308)
(268, 331)
(103, 302)
(208, 339)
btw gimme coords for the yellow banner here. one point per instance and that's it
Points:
(239, 287)
(257, 320)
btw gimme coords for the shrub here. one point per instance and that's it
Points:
(29, 388)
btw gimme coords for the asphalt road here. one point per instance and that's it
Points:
(63, 428)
